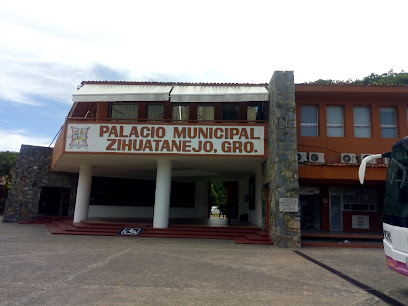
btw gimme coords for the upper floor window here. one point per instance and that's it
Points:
(388, 122)
(180, 112)
(155, 111)
(308, 120)
(205, 112)
(335, 122)
(124, 110)
(229, 111)
(407, 116)
(362, 123)
(255, 112)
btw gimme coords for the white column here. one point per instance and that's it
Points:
(83, 193)
(162, 198)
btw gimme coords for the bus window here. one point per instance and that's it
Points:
(396, 210)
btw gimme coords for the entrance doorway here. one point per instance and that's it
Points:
(224, 200)
(217, 200)
(310, 208)
(232, 188)
(336, 213)
(54, 201)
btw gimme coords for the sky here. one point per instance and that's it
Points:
(48, 48)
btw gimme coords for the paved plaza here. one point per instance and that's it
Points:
(37, 268)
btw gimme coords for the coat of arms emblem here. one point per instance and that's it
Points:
(79, 138)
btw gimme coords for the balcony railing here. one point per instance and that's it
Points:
(131, 120)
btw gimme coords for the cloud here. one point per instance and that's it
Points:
(44, 54)
(31, 82)
(11, 140)
(101, 72)
(25, 79)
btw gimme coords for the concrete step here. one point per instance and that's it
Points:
(364, 245)
(256, 237)
(364, 236)
(242, 240)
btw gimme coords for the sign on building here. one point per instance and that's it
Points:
(288, 204)
(359, 221)
(166, 139)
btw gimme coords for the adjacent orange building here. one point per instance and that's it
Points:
(344, 122)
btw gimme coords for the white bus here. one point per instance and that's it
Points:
(395, 221)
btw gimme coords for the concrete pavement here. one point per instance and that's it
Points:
(37, 268)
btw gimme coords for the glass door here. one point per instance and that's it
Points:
(336, 223)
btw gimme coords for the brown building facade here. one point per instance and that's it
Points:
(342, 123)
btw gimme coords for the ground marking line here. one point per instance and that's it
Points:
(387, 299)
(237, 268)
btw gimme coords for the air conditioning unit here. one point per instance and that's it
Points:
(302, 157)
(374, 161)
(316, 157)
(386, 160)
(348, 158)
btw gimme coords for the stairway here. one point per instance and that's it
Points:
(239, 234)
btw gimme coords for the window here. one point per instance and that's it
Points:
(388, 122)
(361, 118)
(335, 125)
(180, 112)
(124, 110)
(205, 112)
(359, 199)
(355, 199)
(308, 120)
(229, 112)
(396, 197)
(255, 112)
(155, 111)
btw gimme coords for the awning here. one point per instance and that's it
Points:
(219, 94)
(116, 92)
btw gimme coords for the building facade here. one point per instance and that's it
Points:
(337, 126)
(289, 155)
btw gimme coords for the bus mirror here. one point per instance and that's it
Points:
(363, 165)
(361, 172)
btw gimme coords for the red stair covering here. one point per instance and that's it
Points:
(241, 235)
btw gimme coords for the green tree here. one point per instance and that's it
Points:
(218, 193)
(388, 78)
(331, 82)
(7, 162)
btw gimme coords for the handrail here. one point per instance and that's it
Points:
(56, 136)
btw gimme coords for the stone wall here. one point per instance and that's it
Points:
(32, 172)
(282, 165)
